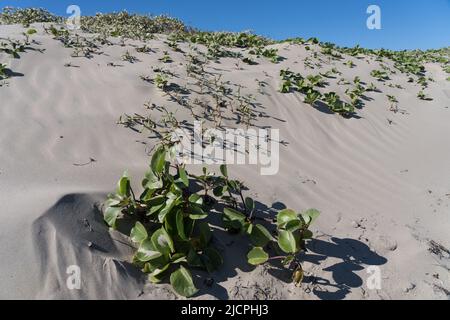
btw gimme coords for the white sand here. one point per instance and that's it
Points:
(383, 188)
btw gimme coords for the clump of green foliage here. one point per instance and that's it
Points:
(132, 26)
(380, 75)
(422, 96)
(127, 56)
(296, 82)
(171, 222)
(271, 54)
(13, 47)
(229, 39)
(27, 16)
(3, 73)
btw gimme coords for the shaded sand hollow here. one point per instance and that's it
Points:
(381, 180)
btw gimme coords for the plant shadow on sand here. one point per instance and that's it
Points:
(73, 232)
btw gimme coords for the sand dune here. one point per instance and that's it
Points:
(381, 180)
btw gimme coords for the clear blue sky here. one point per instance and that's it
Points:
(406, 24)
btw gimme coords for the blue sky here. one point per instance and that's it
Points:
(406, 24)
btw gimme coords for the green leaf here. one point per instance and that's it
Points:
(138, 233)
(152, 181)
(179, 258)
(111, 215)
(260, 236)
(124, 186)
(310, 216)
(205, 233)
(249, 204)
(285, 216)
(286, 241)
(162, 242)
(233, 219)
(158, 160)
(183, 176)
(158, 274)
(195, 198)
(147, 251)
(219, 191)
(224, 170)
(180, 225)
(257, 256)
(170, 204)
(157, 201)
(293, 225)
(182, 283)
(196, 213)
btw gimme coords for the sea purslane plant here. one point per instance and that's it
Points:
(173, 230)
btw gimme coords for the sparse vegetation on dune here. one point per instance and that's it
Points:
(179, 216)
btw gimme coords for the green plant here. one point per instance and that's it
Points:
(249, 61)
(312, 96)
(372, 87)
(350, 64)
(28, 34)
(171, 229)
(3, 73)
(10, 15)
(127, 56)
(336, 105)
(271, 54)
(422, 96)
(379, 75)
(315, 81)
(166, 58)
(161, 80)
(13, 47)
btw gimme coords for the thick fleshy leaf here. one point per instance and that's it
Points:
(196, 199)
(162, 242)
(249, 204)
(124, 186)
(158, 274)
(293, 225)
(287, 242)
(233, 219)
(138, 233)
(182, 283)
(155, 203)
(183, 176)
(152, 181)
(257, 256)
(147, 251)
(196, 212)
(111, 215)
(224, 170)
(158, 160)
(180, 225)
(170, 204)
(284, 216)
(310, 216)
(260, 236)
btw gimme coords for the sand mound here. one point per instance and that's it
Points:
(72, 233)
(380, 179)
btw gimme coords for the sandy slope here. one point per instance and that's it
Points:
(381, 181)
